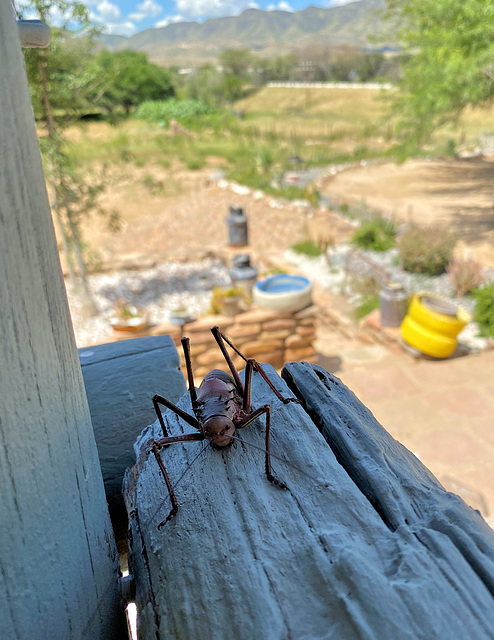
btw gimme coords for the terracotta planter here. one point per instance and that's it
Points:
(131, 325)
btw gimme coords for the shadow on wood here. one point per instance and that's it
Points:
(364, 543)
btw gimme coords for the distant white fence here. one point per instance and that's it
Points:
(331, 85)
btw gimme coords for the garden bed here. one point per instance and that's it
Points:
(157, 291)
(343, 270)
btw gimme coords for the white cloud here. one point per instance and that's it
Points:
(108, 11)
(149, 8)
(197, 8)
(337, 3)
(109, 15)
(126, 28)
(281, 6)
(168, 20)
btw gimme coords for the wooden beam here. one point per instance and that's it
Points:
(58, 562)
(327, 558)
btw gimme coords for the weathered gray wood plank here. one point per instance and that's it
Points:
(244, 559)
(58, 561)
(399, 486)
(120, 380)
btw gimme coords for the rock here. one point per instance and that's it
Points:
(239, 189)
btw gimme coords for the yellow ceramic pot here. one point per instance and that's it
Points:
(430, 330)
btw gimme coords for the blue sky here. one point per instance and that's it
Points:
(126, 17)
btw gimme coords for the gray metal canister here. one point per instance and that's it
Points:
(393, 304)
(237, 227)
(243, 274)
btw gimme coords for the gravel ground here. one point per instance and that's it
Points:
(158, 290)
(173, 284)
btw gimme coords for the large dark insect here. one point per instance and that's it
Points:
(221, 405)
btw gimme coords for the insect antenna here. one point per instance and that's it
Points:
(175, 484)
(290, 464)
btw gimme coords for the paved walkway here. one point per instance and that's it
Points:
(443, 411)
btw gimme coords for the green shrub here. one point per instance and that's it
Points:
(308, 248)
(426, 250)
(195, 164)
(376, 234)
(366, 304)
(166, 110)
(484, 310)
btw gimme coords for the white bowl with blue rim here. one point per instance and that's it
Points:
(283, 292)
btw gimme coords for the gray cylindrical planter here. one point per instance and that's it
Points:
(237, 227)
(243, 274)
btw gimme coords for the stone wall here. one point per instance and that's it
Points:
(267, 336)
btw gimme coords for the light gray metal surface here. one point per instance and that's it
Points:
(34, 33)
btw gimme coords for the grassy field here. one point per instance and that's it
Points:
(322, 126)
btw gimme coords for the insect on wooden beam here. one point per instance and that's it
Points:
(221, 405)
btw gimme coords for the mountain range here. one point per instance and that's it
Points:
(266, 32)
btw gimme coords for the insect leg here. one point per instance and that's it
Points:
(246, 402)
(157, 444)
(157, 400)
(257, 367)
(190, 374)
(221, 339)
(173, 497)
(248, 420)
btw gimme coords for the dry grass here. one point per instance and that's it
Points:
(332, 114)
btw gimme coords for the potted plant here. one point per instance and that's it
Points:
(229, 301)
(180, 316)
(128, 317)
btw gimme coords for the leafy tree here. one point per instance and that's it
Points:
(56, 81)
(59, 72)
(369, 65)
(213, 87)
(452, 61)
(276, 69)
(237, 62)
(126, 78)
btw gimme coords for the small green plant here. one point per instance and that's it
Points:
(376, 234)
(124, 310)
(366, 304)
(274, 271)
(360, 151)
(312, 195)
(264, 161)
(451, 147)
(426, 250)
(465, 274)
(155, 187)
(307, 248)
(484, 310)
(166, 110)
(195, 164)
(220, 294)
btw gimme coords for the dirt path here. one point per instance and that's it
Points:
(179, 214)
(193, 223)
(458, 193)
